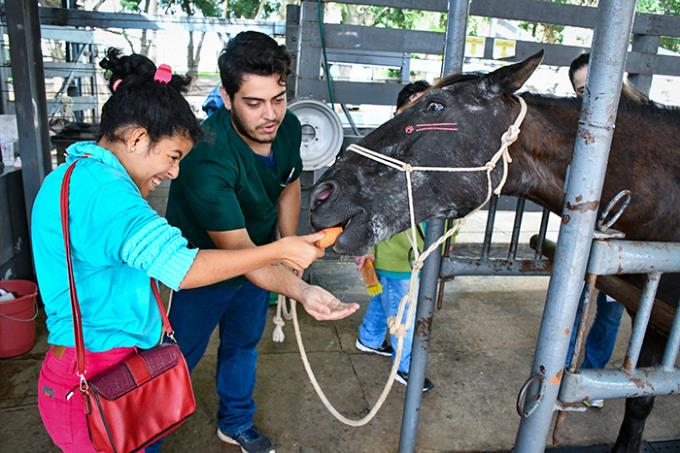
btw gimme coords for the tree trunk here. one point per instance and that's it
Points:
(194, 56)
(355, 14)
(149, 36)
(260, 10)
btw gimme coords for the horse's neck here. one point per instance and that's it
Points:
(643, 159)
(540, 157)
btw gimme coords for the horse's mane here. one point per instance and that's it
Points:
(627, 106)
(632, 105)
(457, 78)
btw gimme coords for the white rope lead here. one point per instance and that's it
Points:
(399, 328)
(281, 313)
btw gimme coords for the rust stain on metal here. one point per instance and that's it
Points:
(567, 331)
(424, 326)
(584, 207)
(588, 137)
(531, 265)
(557, 378)
(565, 219)
(574, 404)
(638, 381)
(579, 197)
(627, 365)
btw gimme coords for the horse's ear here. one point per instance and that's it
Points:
(508, 79)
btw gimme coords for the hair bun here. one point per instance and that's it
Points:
(135, 69)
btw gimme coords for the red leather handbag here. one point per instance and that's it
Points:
(139, 400)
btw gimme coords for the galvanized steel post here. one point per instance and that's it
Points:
(421, 339)
(582, 199)
(456, 30)
(453, 62)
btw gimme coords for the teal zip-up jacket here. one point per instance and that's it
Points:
(117, 242)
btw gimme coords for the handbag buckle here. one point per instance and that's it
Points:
(84, 387)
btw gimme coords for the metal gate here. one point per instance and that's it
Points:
(613, 23)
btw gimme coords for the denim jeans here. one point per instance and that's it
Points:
(374, 326)
(240, 313)
(601, 338)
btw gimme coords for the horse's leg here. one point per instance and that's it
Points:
(630, 433)
(638, 409)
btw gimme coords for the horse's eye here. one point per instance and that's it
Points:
(435, 107)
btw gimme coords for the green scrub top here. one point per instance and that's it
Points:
(223, 185)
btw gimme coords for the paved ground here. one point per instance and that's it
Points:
(482, 346)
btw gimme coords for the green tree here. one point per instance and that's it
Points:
(208, 8)
(553, 33)
(666, 7)
(231, 9)
(252, 9)
(147, 7)
(373, 16)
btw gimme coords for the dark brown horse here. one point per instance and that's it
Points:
(369, 199)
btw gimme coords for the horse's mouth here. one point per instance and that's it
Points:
(356, 235)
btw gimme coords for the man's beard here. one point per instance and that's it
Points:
(241, 128)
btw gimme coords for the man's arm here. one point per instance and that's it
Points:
(318, 302)
(288, 214)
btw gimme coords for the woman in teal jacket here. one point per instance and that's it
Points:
(118, 241)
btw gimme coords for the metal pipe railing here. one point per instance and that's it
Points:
(516, 228)
(542, 231)
(670, 355)
(582, 197)
(641, 321)
(453, 62)
(488, 232)
(607, 384)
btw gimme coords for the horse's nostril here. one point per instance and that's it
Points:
(322, 193)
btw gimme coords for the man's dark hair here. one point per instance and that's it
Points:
(138, 100)
(252, 52)
(409, 90)
(578, 63)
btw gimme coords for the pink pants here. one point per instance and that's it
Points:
(65, 419)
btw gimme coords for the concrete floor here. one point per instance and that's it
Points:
(482, 346)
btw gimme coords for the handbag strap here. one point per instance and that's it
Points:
(75, 308)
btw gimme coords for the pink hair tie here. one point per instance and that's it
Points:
(163, 74)
(116, 84)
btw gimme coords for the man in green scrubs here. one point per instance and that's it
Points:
(239, 188)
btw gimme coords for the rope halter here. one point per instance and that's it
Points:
(507, 139)
(398, 328)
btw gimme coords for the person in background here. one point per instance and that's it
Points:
(213, 102)
(601, 338)
(392, 259)
(578, 73)
(240, 188)
(118, 241)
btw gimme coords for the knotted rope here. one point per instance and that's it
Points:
(281, 313)
(399, 328)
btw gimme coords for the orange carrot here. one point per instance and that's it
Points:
(330, 237)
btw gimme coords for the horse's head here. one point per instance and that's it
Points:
(458, 123)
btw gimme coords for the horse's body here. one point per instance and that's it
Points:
(369, 199)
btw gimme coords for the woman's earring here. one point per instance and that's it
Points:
(132, 149)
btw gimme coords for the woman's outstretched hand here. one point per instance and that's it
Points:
(323, 306)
